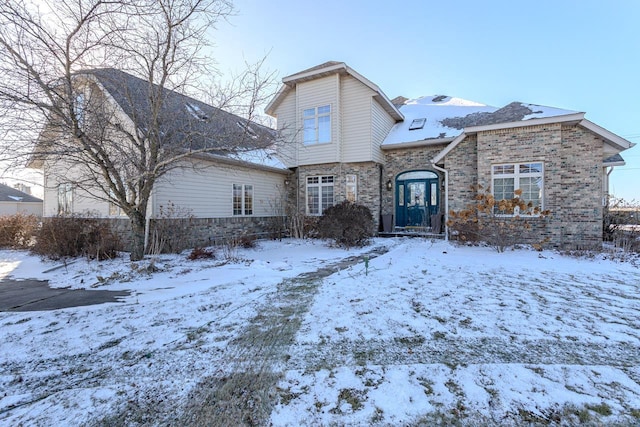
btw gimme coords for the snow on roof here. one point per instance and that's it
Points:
(446, 117)
(541, 111)
(435, 109)
(262, 157)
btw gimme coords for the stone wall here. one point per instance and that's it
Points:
(185, 233)
(368, 184)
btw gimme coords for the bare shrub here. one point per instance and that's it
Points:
(348, 224)
(171, 230)
(621, 225)
(200, 253)
(17, 231)
(72, 236)
(500, 223)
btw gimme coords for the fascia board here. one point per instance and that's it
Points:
(458, 139)
(417, 143)
(524, 123)
(610, 137)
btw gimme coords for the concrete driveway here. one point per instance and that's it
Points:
(36, 295)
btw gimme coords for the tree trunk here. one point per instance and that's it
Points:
(138, 232)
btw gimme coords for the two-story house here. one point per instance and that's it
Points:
(411, 161)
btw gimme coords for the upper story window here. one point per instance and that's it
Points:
(317, 124)
(526, 177)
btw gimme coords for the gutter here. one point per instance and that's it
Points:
(446, 198)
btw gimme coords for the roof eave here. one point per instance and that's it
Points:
(611, 138)
(417, 143)
(270, 109)
(237, 162)
(380, 96)
(619, 163)
(567, 118)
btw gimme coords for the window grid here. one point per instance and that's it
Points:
(242, 199)
(317, 125)
(526, 177)
(320, 194)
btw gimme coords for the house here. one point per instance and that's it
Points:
(238, 186)
(14, 201)
(412, 161)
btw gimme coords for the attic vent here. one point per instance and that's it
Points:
(246, 128)
(439, 98)
(417, 124)
(196, 111)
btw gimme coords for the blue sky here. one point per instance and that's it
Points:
(577, 55)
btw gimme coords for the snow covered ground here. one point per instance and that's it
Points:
(427, 332)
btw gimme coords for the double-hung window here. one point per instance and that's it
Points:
(317, 124)
(319, 194)
(242, 199)
(65, 199)
(526, 177)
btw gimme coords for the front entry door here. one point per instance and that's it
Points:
(417, 198)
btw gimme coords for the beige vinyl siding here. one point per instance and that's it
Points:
(83, 202)
(207, 191)
(312, 94)
(356, 121)
(381, 124)
(286, 115)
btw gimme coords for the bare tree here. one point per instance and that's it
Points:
(66, 105)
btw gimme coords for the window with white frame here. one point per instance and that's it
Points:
(242, 199)
(526, 177)
(65, 199)
(352, 188)
(319, 194)
(317, 124)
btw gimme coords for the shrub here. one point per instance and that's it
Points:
(171, 230)
(348, 224)
(499, 223)
(72, 236)
(621, 225)
(200, 253)
(17, 231)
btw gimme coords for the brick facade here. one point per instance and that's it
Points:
(402, 160)
(368, 184)
(573, 174)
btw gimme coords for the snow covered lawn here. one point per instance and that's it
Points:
(428, 332)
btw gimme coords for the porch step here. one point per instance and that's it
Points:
(412, 233)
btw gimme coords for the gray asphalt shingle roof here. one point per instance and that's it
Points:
(183, 121)
(9, 194)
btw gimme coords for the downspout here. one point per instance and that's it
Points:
(606, 201)
(446, 199)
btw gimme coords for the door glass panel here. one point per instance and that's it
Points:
(434, 194)
(401, 195)
(416, 193)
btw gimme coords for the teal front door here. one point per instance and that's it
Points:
(417, 198)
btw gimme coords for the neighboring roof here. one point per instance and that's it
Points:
(327, 69)
(446, 117)
(185, 122)
(615, 160)
(10, 194)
